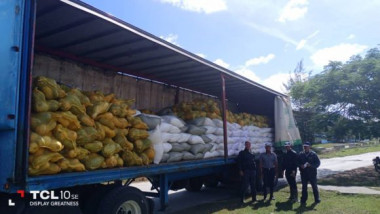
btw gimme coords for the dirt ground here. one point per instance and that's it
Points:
(365, 176)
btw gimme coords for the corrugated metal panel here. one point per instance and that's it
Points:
(95, 36)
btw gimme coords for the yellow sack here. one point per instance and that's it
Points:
(72, 103)
(65, 136)
(33, 147)
(68, 120)
(110, 133)
(111, 149)
(49, 87)
(138, 123)
(40, 160)
(71, 165)
(83, 98)
(106, 119)
(107, 141)
(123, 142)
(138, 146)
(82, 153)
(131, 112)
(39, 103)
(131, 159)
(145, 159)
(109, 98)
(100, 130)
(70, 153)
(42, 123)
(119, 110)
(120, 123)
(94, 96)
(120, 161)
(93, 161)
(123, 132)
(150, 153)
(46, 142)
(98, 108)
(94, 147)
(111, 162)
(86, 120)
(141, 147)
(47, 169)
(87, 135)
(137, 134)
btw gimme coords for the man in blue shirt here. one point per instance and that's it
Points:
(268, 168)
(247, 170)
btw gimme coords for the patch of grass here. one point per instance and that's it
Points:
(365, 176)
(332, 202)
(351, 151)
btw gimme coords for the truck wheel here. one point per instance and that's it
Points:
(124, 200)
(194, 185)
(91, 203)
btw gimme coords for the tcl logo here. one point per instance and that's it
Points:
(22, 194)
(44, 195)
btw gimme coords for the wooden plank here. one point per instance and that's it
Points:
(71, 75)
(117, 82)
(89, 79)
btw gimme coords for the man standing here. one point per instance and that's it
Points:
(268, 169)
(290, 166)
(247, 170)
(308, 163)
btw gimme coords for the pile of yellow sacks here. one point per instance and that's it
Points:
(198, 108)
(74, 131)
(210, 108)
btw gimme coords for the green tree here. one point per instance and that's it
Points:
(342, 101)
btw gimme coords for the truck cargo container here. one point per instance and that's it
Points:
(83, 47)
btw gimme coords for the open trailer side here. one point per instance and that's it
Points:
(83, 47)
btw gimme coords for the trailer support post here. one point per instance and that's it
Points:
(164, 191)
(224, 110)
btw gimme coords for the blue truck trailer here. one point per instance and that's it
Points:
(80, 45)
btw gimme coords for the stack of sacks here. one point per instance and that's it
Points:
(203, 129)
(198, 108)
(76, 131)
(174, 139)
(154, 126)
(236, 138)
(216, 137)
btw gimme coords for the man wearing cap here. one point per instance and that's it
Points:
(308, 164)
(290, 166)
(247, 170)
(268, 169)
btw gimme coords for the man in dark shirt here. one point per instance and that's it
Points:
(290, 165)
(247, 170)
(308, 163)
(268, 169)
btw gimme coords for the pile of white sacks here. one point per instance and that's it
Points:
(201, 138)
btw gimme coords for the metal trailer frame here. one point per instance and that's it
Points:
(17, 56)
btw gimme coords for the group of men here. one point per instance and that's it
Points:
(307, 161)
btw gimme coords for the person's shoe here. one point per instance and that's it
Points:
(317, 201)
(303, 203)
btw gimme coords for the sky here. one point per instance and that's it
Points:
(260, 39)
